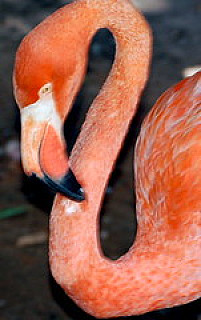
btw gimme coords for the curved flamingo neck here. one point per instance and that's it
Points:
(136, 282)
(109, 116)
(107, 121)
(75, 253)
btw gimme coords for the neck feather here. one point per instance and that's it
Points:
(111, 112)
(75, 253)
(147, 277)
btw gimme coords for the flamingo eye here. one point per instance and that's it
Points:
(45, 90)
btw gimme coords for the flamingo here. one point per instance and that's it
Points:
(163, 267)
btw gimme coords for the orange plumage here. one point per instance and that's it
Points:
(163, 267)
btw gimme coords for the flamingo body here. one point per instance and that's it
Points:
(162, 268)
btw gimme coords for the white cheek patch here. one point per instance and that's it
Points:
(43, 110)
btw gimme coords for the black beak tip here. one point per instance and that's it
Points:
(68, 186)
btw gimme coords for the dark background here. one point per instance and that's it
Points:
(27, 290)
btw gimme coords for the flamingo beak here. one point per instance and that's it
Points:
(68, 186)
(32, 133)
(43, 148)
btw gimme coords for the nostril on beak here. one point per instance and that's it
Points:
(68, 186)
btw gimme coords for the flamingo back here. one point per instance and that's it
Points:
(168, 164)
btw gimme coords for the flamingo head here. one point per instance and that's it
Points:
(44, 87)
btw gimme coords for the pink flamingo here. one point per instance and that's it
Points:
(163, 267)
